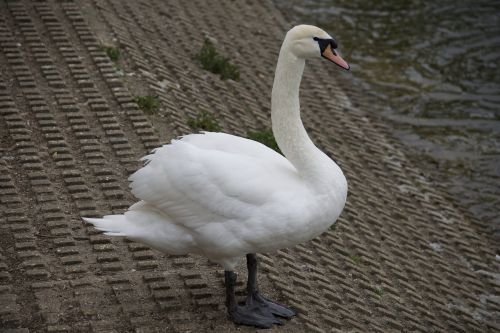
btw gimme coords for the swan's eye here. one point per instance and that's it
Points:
(324, 42)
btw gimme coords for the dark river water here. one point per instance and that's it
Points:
(433, 70)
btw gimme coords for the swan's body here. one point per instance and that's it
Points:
(224, 196)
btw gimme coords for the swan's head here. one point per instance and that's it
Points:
(307, 41)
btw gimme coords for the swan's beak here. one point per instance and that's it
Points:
(331, 55)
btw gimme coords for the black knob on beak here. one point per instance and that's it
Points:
(324, 42)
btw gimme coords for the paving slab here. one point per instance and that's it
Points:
(401, 258)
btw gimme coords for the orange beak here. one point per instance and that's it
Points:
(331, 55)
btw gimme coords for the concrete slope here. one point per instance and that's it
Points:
(402, 258)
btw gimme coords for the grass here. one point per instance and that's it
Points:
(204, 121)
(113, 53)
(148, 104)
(212, 61)
(355, 258)
(266, 137)
(379, 291)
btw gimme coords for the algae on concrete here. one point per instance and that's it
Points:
(113, 53)
(148, 103)
(212, 61)
(204, 121)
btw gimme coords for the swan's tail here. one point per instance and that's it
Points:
(112, 225)
(142, 223)
(128, 224)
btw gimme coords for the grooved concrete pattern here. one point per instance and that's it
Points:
(401, 258)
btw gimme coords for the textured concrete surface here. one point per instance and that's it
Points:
(402, 258)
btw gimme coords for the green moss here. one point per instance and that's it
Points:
(355, 258)
(113, 53)
(212, 61)
(379, 291)
(204, 121)
(266, 137)
(148, 104)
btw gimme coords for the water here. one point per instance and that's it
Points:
(433, 69)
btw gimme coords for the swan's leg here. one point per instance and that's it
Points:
(258, 302)
(243, 314)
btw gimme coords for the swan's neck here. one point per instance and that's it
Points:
(312, 164)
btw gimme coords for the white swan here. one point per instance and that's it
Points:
(224, 196)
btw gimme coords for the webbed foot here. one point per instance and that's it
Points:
(268, 308)
(251, 316)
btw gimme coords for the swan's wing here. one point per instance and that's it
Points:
(213, 177)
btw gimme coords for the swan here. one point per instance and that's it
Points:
(224, 196)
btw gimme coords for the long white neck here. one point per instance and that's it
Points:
(291, 136)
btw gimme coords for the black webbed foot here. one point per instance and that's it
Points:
(249, 316)
(266, 307)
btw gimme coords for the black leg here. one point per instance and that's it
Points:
(243, 314)
(256, 301)
(252, 273)
(230, 280)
